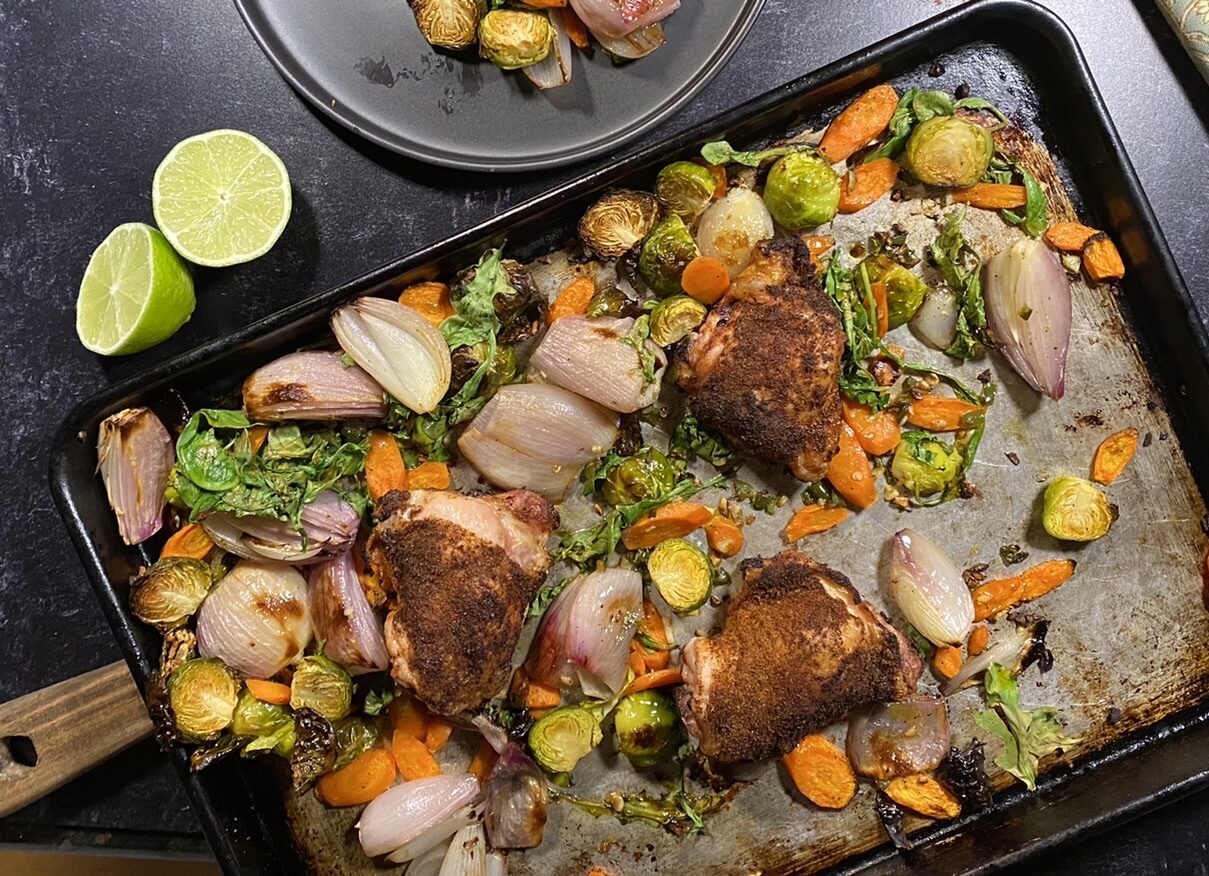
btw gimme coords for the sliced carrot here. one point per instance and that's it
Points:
(821, 772)
(720, 181)
(938, 413)
(866, 183)
(272, 692)
(191, 540)
(1101, 259)
(877, 433)
(637, 664)
(812, 520)
(947, 660)
(725, 537)
(654, 627)
(882, 306)
(860, 122)
(1113, 455)
(408, 716)
(924, 794)
(1069, 236)
(573, 300)
(384, 468)
(257, 436)
(430, 300)
(545, 4)
(993, 597)
(361, 780)
(850, 472)
(542, 696)
(992, 196)
(673, 520)
(978, 640)
(483, 761)
(817, 244)
(577, 31)
(658, 678)
(437, 733)
(412, 757)
(429, 475)
(705, 278)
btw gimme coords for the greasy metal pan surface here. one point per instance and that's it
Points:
(364, 64)
(1009, 51)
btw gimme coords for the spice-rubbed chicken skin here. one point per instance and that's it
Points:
(798, 651)
(463, 570)
(764, 368)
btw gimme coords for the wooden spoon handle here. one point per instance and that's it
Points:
(50, 736)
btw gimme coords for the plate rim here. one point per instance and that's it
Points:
(310, 89)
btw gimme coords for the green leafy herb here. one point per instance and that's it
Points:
(596, 473)
(961, 268)
(650, 644)
(378, 698)
(917, 106)
(1027, 734)
(978, 103)
(545, 596)
(720, 152)
(689, 441)
(1035, 219)
(921, 644)
(636, 337)
(760, 500)
(677, 812)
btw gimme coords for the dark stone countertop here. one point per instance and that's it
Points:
(92, 95)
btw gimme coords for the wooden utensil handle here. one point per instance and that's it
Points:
(50, 736)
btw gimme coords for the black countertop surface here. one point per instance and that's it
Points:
(92, 95)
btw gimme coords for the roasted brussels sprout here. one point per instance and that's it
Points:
(315, 748)
(685, 188)
(905, 291)
(802, 190)
(648, 728)
(452, 24)
(681, 573)
(267, 726)
(611, 301)
(666, 252)
(673, 318)
(615, 223)
(1076, 510)
(561, 738)
(924, 464)
(168, 593)
(203, 695)
(645, 475)
(520, 303)
(322, 685)
(513, 38)
(949, 151)
(354, 736)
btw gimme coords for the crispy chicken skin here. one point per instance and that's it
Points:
(463, 571)
(798, 651)
(764, 368)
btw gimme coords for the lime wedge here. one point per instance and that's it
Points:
(221, 198)
(135, 293)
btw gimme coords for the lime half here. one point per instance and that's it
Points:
(221, 198)
(135, 293)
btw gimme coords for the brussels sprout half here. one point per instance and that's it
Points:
(1076, 510)
(645, 475)
(203, 694)
(924, 464)
(665, 254)
(685, 188)
(648, 728)
(266, 726)
(802, 190)
(619, 220)
(905, 292)
(681, 573)
(949, 151)
(514, 38)
(168, 593)
(673, 318)
(322, 685)
(452, 24)
(560, 739)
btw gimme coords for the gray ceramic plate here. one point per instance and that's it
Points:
(364, 63)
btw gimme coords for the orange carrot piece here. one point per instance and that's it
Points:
(483, 761)
(430, 300)
(881, 306)
(821, 772)
(947, 660)
(924, 794)
(429, 475)
(361, 780)
(257, 436)
(1069, 236)
(817, 244)
(658, 678)
(992, 196)
(938, 413)
(1113, 455)
(860, 122)
(813, 519)
(272, 692)
(850, 472)
(719, 174)
(545, 4)
(993, 597)
(652, 625)
(577, 31)
(637, 664)
(978, 641)
(437, 733)
(541, 696)
(412, 757)
(573, 300)
(725, 537)
(673, 520)
(705, 278)
(188, 541)
(408, 716)
(877, 433)
(1101, 259)
(866, 184)
(384, 468)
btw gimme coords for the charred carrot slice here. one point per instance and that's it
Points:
(437, 733)
(859, 123)
(867, 183)
(653, 626)
(673, 520)
(573, 300)
(408, 716)
(877, 432)
(384, 468)
(1069, 236)
(993, 597)
(413, 758)
(257, 436)
(882, 307)
(821, 772)
(188, 541)
(938, 413)
(817, 244)
(725, 537)
(924, 794)
(430, 300)
(577, 31)
(979, 639)
(1101, 259)
(483, 761)
(429, 475)
(850, 472)
(992, 196)
(271, 692)
(1113, 455)
(947, 660)
(705, 278)
(813, 519)
(659, 678)
(364, 778)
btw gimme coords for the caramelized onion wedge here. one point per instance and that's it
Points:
(898, 739)
(350, 629)
(312, 385)
(404, 812)
(929, 589)
(135, 456)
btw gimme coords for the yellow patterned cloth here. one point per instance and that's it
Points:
(1190, 18)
